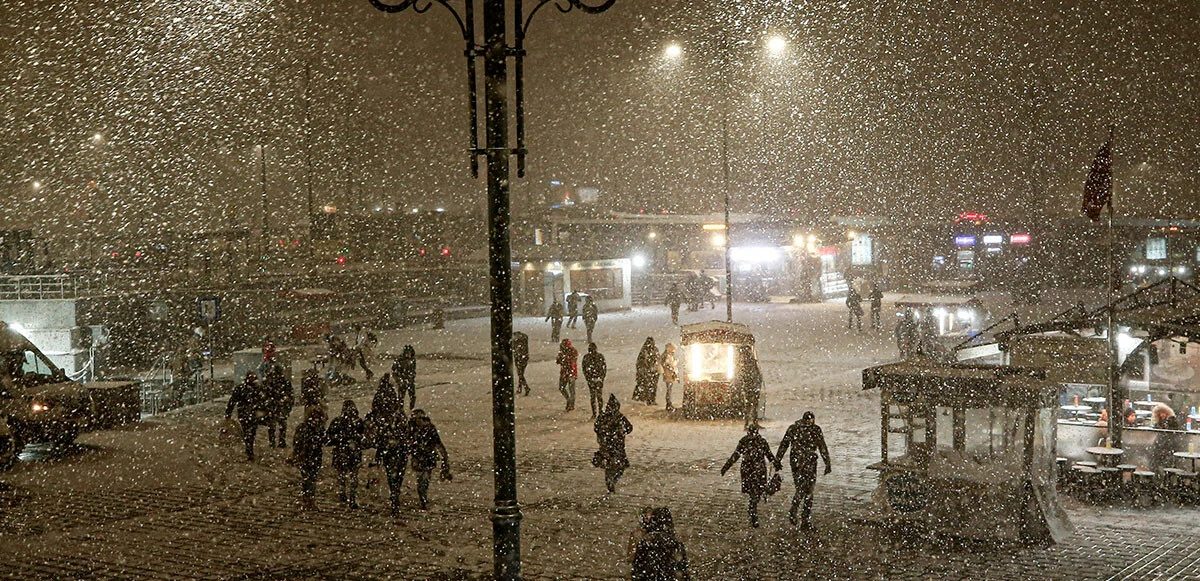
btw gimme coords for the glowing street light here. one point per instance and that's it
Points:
(776, 45)
(673, 51)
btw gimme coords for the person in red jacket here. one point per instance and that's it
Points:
(568, 371)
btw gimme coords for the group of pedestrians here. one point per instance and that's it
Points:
(397, 438)
(854, 303)
(652, 365)
(267, 403)
(578, 306)
(805, 440)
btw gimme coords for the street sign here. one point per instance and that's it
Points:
(209, 309)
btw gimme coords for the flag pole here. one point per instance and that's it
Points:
(1115, 412)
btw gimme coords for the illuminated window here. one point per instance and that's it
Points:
(1156, 249)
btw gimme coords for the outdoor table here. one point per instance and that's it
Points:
(1104, 454)
(1193, 456)
(1148, 404)
(1143, 412)
(1095, 400)
(1077, 409)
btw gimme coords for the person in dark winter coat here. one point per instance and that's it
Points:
(805, 439)
(568, 371)
(573, 309)
(555, 316)
(281, 397)
(645, 389)
(426, 449)
(755, 454)
(312, 389)
(309, 450)
(854, 305)
(747, 383)
(876, 298)
(250, 400)
(521, 359)
(907, 334)
(404, 373)
(345, 435)
(591, 314)
(388, 431)
(674, 299)
(611, 428)
(658, 555)
(594, 371)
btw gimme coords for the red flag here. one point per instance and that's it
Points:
(1097, 192)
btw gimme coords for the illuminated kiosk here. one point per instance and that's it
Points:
(709, 366)
(968, 450)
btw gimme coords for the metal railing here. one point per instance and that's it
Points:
(42, 286)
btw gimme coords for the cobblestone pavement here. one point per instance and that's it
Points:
(237, 520)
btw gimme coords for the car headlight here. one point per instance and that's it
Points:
(40, 407)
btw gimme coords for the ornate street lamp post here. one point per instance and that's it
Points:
(495, 51)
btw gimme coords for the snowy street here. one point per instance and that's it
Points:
(168, 498)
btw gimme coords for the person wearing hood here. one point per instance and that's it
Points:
(594, 371)
(555, 316)
(251, 401)
(520, 348)
(345, 434)
(611, 428)
(427, 448)
(755, 455)
(568, 371)
(658, 555)
(312, 389)
(646, 386)
(404, 373)
(673, 300)
(805, 439)
(670, 370)
(308, 453)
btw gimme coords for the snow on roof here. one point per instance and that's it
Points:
(927, 300)
(715, 332)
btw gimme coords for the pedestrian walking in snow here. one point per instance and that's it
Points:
(573, 301)
(670, 370)
(555, 316)
(876, 298)
(805, 440)
(404, 373)
(312, 389)
(674, 299)
(426, 449)
(854, 305)
(521, 359)
(568, 371)
(594, 371)
(645, 389)
(591, 314)
(748, 383)
(755, 455)
(659, 555)
(387, 430)
(611, 428)
(308, 454)
(250, 400)
(345, 435)
(281, 398)
(907, 334)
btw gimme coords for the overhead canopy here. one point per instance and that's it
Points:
(715, 332)
(960, 385)
(921, 301)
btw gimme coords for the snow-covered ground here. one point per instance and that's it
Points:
(170, 498)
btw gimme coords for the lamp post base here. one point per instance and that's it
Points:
(506, 535)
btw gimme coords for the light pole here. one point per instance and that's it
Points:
(495, 52)
(262, 165)
(776, 46)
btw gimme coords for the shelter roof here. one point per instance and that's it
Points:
(715, 332)
(962, 385)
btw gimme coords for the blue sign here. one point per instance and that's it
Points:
(209, 309)
(964, 240)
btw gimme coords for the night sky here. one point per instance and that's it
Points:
(888, 108)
